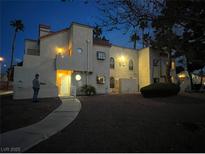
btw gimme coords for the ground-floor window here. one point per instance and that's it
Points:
(156, 80)
(112, 82)
(100, 79)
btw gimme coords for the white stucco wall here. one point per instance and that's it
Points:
(144, 67)
(100, 68)
(49, 45)
(121, 69)
(82, 37)
(30, 44)
(23, 83)
(127, 86)
(32, 65)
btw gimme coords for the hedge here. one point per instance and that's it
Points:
(160, 90)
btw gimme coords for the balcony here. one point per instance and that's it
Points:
(66, 62)
(34, 52)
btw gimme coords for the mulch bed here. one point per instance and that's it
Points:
(20, 113)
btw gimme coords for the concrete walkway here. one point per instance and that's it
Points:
(5, 92)
(27, 137)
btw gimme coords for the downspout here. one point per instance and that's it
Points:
(87, 41)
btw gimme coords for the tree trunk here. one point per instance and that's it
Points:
(12, 49)
(135, 42)
(168, 70)
(190, 76)
(12, 56)
(191, 81)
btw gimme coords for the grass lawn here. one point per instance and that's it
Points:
(20, 113)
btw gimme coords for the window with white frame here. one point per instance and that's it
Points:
(100, 79)
(101, 55)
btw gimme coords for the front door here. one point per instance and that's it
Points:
(65, 85)
(63, 82)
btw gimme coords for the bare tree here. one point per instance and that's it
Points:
(128, 14)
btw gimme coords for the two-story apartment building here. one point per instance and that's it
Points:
(70, 58)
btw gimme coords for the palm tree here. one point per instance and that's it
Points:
(134, 38)
(18, 26)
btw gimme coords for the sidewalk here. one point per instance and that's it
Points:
(5, 92)
(25, 138)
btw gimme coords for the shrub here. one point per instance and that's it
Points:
(88, 90)
(196, 87)
(160, 90)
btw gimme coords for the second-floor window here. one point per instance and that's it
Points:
(101, 55)
(112, 63)
(131, 64)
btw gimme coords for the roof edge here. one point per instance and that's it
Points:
(54, 33)
(80, 24)
(114, 45)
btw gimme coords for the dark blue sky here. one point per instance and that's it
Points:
(55, 13)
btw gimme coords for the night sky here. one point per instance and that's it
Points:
(55, 13)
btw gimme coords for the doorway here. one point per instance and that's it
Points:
(63, 82)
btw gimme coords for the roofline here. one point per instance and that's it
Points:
(108, 46)
(54, 33)
(80, 24)
(124, 47)
(145, 48)
(45, 26)
(100, 42)
(65, 29)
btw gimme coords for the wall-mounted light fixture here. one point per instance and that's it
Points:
(60, 50)
(122, 58)
(122, 61)
(78, 77)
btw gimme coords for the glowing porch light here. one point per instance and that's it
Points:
(1, 59)
(122, 58)
(78, 77)
(60, 50)
(60, 74)
(182, 75)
